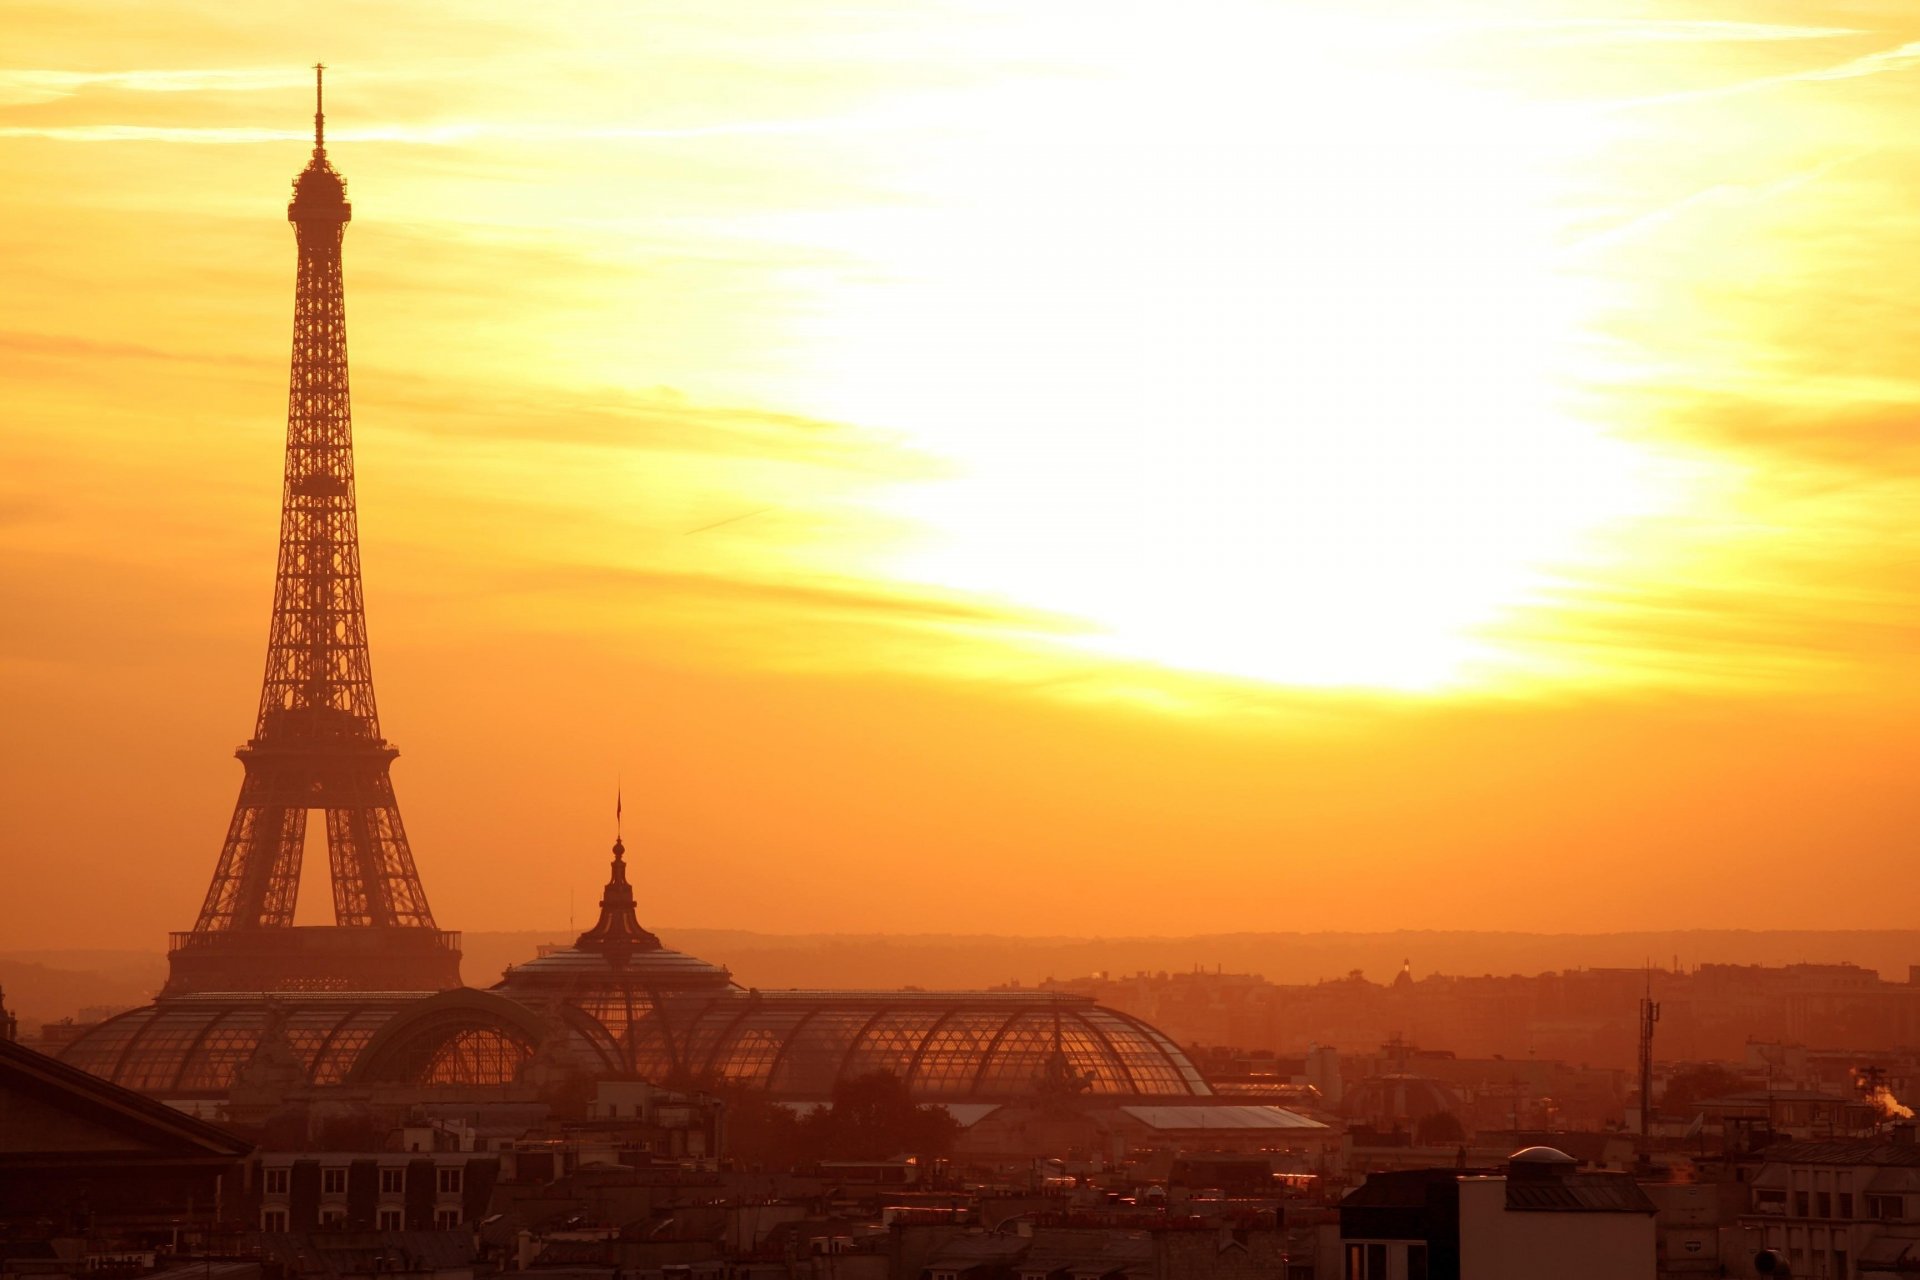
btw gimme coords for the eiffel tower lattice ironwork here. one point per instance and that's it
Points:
(316, 745)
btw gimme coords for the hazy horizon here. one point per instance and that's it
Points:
(52, 983)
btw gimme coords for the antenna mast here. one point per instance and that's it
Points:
(1649, 1014)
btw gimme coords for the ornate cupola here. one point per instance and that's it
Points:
(617, 933)
(615, 956)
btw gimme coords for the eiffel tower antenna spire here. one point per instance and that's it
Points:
(316, 745)
(319, 109)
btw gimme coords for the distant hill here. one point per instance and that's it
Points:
(43, 986)
(935, 960)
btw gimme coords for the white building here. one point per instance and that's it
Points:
(1841, 1209)
(1541, 1217)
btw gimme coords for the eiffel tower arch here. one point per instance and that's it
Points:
(317, 750)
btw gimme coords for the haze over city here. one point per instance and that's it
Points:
(1069, 470)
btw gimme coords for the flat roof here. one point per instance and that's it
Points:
(1220, 1117)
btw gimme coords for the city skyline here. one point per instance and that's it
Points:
(1426, 510)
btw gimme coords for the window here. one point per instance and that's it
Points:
(446, 1219)
(1366, 1262)
(450, 1181)
(333, 1182)
(273, 1219)
(1822, 1205)
(335, 1218)
(1846, 1204)
(1800, 1204)
(1883, 1207)
(276, 1183)
(393, 1182)
(1416, 1262)
(1769, 1200)
(390, 1220)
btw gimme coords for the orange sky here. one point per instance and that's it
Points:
(972, 466)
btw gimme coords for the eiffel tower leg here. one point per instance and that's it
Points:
(374, 881)
(404, 898)
(258, 877)
(356, 890)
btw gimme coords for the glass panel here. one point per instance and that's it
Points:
(754, 1046)
(1155, 1064)
(160, 1051)
(952, 1055)
(815, 1051)
(225, 1050)
(98, 1050)
(615, 1006)
(890, 1043)
(648, 1049)
(331, 1039)
(1019, 1061)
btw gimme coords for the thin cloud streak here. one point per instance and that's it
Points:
(1882, 62)
(21, 87)
(443, 135)
(1725, 192)
(1686, 31)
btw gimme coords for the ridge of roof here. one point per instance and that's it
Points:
(29, 1067)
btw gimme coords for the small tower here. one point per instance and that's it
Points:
(1649, 1015)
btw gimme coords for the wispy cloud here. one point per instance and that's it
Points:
(658, 422)
(21, 345)
(1898, 58)
(1719, 195)
(823, 596)
(23, 86)
(440, 135)
(1680, 31)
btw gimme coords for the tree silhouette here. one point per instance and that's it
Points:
(1691, 1085)
(873, 1117)
(1438, 1129)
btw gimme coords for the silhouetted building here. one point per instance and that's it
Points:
(80, 1156)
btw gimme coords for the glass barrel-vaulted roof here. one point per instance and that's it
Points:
(946, 1046)
(677, 1019)
(195, 1046)
(624, 1004)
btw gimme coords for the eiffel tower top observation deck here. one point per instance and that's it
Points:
(316, 745)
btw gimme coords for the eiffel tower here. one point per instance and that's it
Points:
(316, 744)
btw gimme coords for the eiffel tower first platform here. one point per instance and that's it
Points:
(316, 753)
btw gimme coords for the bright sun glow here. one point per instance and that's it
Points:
(1264, 373)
